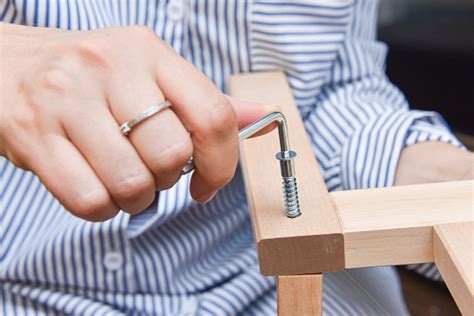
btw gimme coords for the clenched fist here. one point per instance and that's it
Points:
(64, 95)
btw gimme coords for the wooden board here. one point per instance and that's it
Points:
(300, 295)
(454, 254)
(312, 242)
(394, 225)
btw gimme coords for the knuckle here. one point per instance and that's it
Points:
(142, 32)
(96, 52)
(23, 121)
(54, 80)
(174, 157)
(147, 39)
(91, 205)
(132, 187)
(220, 120)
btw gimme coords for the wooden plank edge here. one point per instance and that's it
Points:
(457, 277)
(390, 226)
(282, 249)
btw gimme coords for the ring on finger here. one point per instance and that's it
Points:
(126, 127)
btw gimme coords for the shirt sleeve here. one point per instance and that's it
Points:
(167, 205)
(359, 129)
(360, 121)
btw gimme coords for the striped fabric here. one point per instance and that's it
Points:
(180, 258)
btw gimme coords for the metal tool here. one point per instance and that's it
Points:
(285, 156)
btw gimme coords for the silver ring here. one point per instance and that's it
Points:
(127, 126)
(188, 167)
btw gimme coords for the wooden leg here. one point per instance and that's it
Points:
(300, 295)
(454, 255)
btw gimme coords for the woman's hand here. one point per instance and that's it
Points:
(64, 95)
(434, 162)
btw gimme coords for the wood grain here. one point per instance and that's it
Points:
(392, 226)
(453, 254)
(313, 242)
(300, 295)
(348, 229)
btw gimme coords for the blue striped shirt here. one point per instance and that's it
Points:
(181, 258)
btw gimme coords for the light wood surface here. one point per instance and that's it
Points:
(394, 225)
(359, 228)
(348, 229)
(453, 254)
(312, 242)
(300, 295)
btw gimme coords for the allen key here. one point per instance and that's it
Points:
(285, 156)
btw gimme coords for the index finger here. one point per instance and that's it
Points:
(209, 118)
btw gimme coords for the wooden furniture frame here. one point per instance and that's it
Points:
(348, 229)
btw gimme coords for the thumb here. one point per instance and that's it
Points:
(248, 112)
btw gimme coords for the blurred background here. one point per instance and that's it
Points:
(431, 59)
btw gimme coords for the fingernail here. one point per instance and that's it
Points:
(205, 198)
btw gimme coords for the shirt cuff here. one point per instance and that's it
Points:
(431, 128)
(166, 206)
(370, 157)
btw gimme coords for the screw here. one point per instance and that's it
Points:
(290, 188)
(286, 156)
(287, 167)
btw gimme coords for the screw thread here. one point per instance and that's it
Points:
(290, 193)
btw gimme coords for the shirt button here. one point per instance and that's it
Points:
(113, 260)
(175, 10)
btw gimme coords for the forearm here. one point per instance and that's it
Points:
(434, 161)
